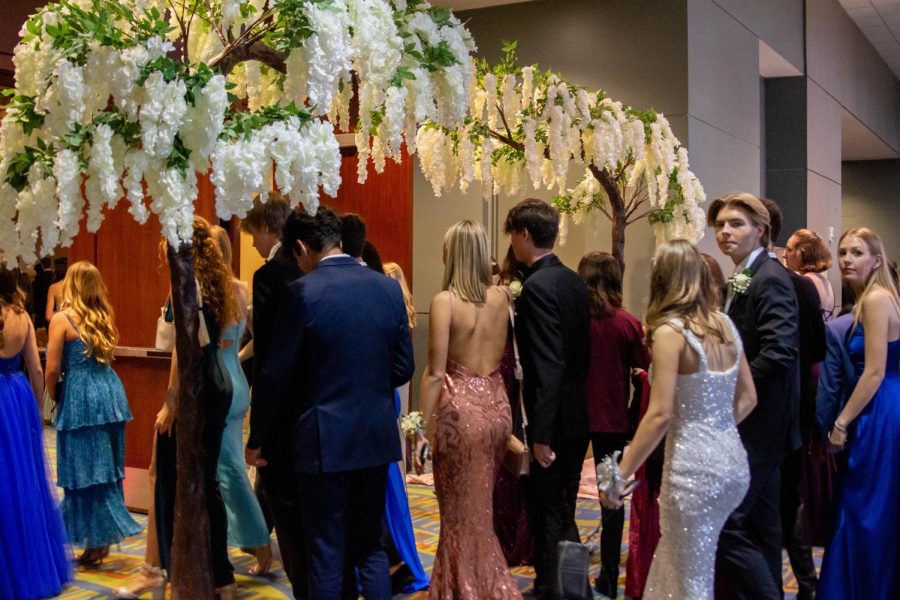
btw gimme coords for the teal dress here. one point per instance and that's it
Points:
(90, 426)
(246, 525)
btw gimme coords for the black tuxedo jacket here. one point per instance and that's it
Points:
(767, 318)
(811, 330)
(553, 333)
(270, 282)
(341, 345)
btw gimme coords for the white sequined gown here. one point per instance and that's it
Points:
(705, 477)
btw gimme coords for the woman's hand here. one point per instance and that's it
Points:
(515, 445)
(422, 453)
(605, 502)
(837, 439)
(164, 420)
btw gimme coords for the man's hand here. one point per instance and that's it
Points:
(253, 457)
(544, 455)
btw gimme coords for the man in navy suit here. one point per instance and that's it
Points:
(341, 345)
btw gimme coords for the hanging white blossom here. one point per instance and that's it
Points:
(157, 96)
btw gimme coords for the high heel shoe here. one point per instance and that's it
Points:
(153, 581)
(263, 556)
(92, 557)
(227, 592)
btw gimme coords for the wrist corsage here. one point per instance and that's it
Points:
(412, 424)
(610, 480)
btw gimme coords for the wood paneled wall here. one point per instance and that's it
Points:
(127, 255)
(385, 202)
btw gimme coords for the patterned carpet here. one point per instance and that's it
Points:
(128, 556)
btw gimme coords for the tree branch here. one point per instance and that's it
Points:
(228, 59)
(640, 216)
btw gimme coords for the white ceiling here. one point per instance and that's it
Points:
(879, 20)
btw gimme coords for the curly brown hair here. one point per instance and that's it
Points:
(213, 274)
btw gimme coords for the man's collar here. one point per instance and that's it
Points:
(274, 251)
(544, 261)
(331, 256)
(748, 262)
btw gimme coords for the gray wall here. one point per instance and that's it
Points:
(696, 61)
(845, 66)
(871, 198)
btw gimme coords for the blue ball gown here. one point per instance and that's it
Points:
(34, 559)
(863, 560)
(90, 428)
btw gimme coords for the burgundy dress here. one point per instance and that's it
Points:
(473, 424)
(510, 501)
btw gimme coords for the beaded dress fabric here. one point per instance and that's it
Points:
(473, 424)
(705, 477)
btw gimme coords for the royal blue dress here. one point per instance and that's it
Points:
(90, 436)
(863, 560)
(399, 521)
(34, 559)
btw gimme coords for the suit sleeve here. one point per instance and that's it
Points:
(831, 384)
(812, 326)
(775, 303)
(403, 363)
(264, 294)
(275, 374)
(542, 329)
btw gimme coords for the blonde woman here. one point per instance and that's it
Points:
(468, 417)
(862, 559)
(702, 387)
(393, 270)
(92, 413)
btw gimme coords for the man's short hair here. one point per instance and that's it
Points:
(539, 218)
(320, 232)
(746, 203)
(353, 234)
(271, 214)
(775, 218)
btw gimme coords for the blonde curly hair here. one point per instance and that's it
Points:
(85, 294)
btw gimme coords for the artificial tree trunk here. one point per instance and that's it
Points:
(191, 567)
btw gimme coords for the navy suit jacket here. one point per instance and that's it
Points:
(341, 345)
(837, 376)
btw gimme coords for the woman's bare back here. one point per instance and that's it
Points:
(15, 332)
(478, 331)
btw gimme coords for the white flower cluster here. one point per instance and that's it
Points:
(105, 128)
(543, 130)
(305, 156)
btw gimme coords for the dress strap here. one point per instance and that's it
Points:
(691, 339)
(72, 323)
(738, 343)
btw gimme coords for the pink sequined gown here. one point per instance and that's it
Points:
(473, 424)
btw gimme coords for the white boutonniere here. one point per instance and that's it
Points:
(515, 288)
(740, 282)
